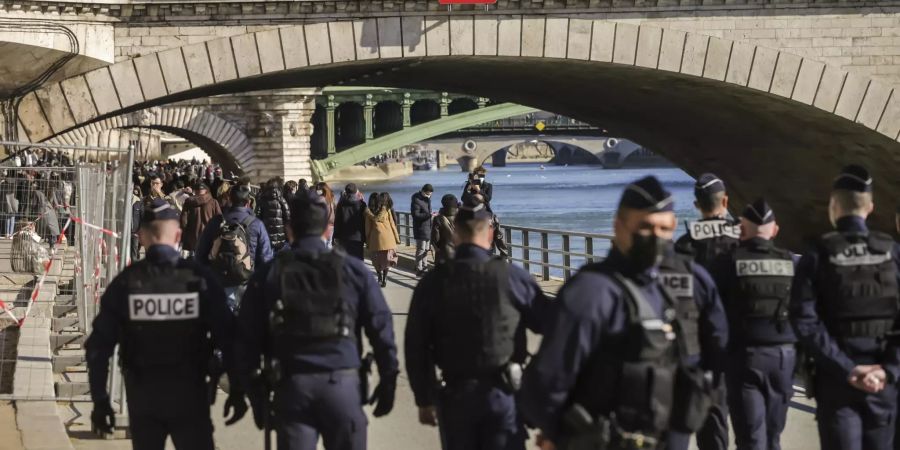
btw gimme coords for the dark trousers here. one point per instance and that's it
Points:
(353, 248)
(850, 419)
(760, 386)
(160, 406)
(714, 433)
(476, 415)
(327, 404)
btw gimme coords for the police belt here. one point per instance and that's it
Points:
(288, 369)
(872, 328)
(455, 380)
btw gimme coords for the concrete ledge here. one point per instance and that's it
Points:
(40, 426)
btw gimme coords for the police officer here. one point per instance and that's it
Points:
(468, 317)
(303, 314)
(713, 235)
(606, 371)
(844, 306)
(159, 311)
(756, 286)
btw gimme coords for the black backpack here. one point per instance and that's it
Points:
(230, 256)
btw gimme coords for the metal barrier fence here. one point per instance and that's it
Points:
(547, 254)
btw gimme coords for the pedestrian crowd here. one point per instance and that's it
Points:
(660, 343)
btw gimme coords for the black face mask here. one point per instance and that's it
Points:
(646, 251)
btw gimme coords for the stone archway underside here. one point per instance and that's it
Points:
(768, 122)
(223, 141)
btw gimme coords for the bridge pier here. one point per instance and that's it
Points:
(281, 135)
(467, 163)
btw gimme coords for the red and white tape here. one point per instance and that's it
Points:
(81, 222)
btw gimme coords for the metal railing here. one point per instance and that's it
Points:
(547, 254)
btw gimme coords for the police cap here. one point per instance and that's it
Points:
(309, 214)
(708, 183)
(759, 212)
(647, 194)
(473, 210)
(853, 178)
(159, 209)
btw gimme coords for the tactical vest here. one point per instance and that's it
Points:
(710, 238)
(476, 320)
(677, 278)
(763, 287)
(633, 377)
(310, 308)
(858, 284)
(164, 328)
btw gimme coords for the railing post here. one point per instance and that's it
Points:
(589, 249)
(567, 259)
(408, 227)
(525, 244)
(545, 256)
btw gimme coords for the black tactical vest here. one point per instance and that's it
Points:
(707, 239)
(677, 278)
(310, 308)
(763, 287)
(476, 320)
(857, 284)
(164, 329)
(633, 377)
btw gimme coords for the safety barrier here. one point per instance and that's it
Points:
(543, 252)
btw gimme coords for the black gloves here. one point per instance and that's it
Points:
(236, 401)
(103, 418)
(383, 397)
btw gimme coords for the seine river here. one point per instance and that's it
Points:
(574, 198)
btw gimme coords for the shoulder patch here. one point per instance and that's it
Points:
(708, 229)
(163, 307)
(764, 267)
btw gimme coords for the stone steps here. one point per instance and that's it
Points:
(60, 341)
(59, 324)
(62, 363)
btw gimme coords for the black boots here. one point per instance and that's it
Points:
(384, 279)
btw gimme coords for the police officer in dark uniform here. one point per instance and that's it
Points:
(303, 314)
(844, 307)
(756, 280)
(160, 311)
(713, 235)
(468, 317)
(606, 373)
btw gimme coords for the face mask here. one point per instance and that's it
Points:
(320, 192)
(646, 251)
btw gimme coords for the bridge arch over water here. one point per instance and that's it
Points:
(769, 122)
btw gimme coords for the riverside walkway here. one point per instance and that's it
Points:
(400, 430)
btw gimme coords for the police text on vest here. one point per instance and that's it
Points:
(164, 306)
(678, 284)
(858, 255)
(708, 229)
(764, 267)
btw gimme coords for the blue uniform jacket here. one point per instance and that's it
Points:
(363, 296)
(590, 311)
(713, 322)
(258, 243)
(725, 274)
(107, 326)
(524, 293)
(831, 358)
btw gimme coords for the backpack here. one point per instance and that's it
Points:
(230, 256)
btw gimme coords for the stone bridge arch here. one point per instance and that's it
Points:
(767, 121)
(225, 142)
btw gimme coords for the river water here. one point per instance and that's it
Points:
(573, 198)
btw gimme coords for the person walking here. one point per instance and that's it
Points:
(197, 211)
(420, 209)
(273, 210)
(756, 289)
(159, 312)
(304, 314)
(350, 222)
(325, 192)
(233, 244)
(844, 308)
(382, 238)
(606, 373)
(468, 317)
(442, 230)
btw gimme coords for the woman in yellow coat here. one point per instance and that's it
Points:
(381, 237)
